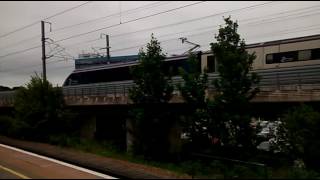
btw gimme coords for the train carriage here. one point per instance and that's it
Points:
(274, 56)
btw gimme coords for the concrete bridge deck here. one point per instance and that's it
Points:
(285, 93)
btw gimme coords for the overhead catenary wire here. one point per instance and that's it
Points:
(25, 40)
(113, 26)
(182, 22)
(203, 28)
(21, 51)
(28, 49)
(141, 45)
(122, 34)
(74, 25)
(112, 15)
(36, 22)
(117, 50)
(110, 26)
(126, 22)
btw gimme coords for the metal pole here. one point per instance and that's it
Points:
(44, 76)
(108, 52)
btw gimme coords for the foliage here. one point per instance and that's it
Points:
(40, 106)
(192, 168)
(235, 87)
(302, 173)
(152, 85)
(193, 92)
(10, 126)
(299, 135)
(4, 88)
(150, 126)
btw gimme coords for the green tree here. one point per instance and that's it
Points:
(40, 107)
(151, 93)
(152, 85)
(235, 86)
(193, 92)
(299, 135)
(4, 88)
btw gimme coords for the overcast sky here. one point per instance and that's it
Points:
(131, 25)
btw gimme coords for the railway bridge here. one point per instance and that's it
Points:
(291, 84)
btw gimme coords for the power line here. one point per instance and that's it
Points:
(183, 22)
(129, 33)
(197, 34)
(192, 20)
(207, 27)
(206, 32)
(123, 34)
(18, 52)
(112, 15)
(19, 42)
(174, 24)
(137, 19)
(34, 23)
(147, 29)
(135, 31)
(282, 18)
(278, 32)
(70, 9)
(67, 27)
(19, 29)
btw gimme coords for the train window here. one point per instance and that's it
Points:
(315, 53)
(211, 64)
(304, 55)
(269, 58)
(282, 57)
(287, 56)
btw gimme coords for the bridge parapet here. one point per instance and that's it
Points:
(267, 94)
(287, 84)
(285, 93)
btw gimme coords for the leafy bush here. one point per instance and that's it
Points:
(301, 173)
(9, 126)
(40, 107)
(299, 135)
(151, 92)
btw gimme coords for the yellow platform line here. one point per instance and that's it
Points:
(14, 172)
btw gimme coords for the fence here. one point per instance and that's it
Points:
(289, 78)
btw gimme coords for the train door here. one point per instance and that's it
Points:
(208, 61)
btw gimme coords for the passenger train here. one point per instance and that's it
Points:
(273, 55)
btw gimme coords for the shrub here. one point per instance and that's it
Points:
(299, 135)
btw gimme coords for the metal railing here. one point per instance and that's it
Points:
(271, 79)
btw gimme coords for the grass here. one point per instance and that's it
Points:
(193, 168)
(205, 170)
(214, 169)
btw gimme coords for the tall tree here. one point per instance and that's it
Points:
(4, 88)
(40, 107)
(193, 91)
(298, 135)
(236, 85)
(152, 91)
(152, 85)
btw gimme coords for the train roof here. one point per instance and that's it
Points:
(277, 42)
(284, 41)
(134, 59)
(123, 64)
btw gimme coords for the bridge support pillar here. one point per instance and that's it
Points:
(89, 127)
(129, 135)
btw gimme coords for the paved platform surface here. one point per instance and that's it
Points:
(109, 166)
(18, 164)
